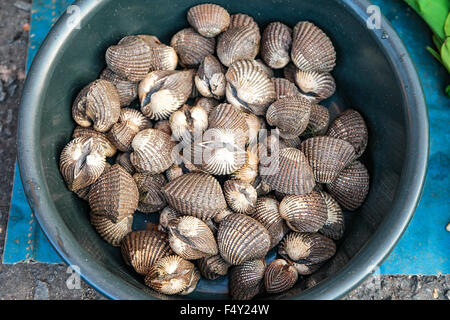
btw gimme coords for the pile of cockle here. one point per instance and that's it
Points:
(225, 194)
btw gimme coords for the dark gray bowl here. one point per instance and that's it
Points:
(374, 74)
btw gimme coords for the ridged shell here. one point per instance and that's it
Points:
(351, 127)
(276, 45)
(267, 70)
(304, 213)
(312, 50)
(292, 175)
(208, 19)
(151, 198)
(279, 276)
(249, 87)
(108, 148)
(188, 122)
(261, 187)
(142, 249)
(222, 214)
(242, 20)
(290, 115)
(152, 151)
(191, 47)
(210, 78)
(191, 238)
(124, 160)
(307, 248)
(174, 172)
(240, 196)
(334, 226)
(319, 119)
(351, 186)
(227, 116)
(114, 194)
(254, 126)
(305, 269)
(249, 171)
(196, 194)
(164, 126)
(97, 104)
(289, 72)
(81, 163)
(208, 104)
(315, 86)
(83, 193)
(127, 90)
(213, 267)
(194, 279)
(327, 156)
(246, 280)
(113, 233)
(241, 238)
(166, 216)
(284, 88)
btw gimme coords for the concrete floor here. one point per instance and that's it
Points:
(49, 281)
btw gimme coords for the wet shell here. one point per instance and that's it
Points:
(163, 92)
(319, 119)
(284, 88)
(114, 194)
(188, 123)
(249, 87)
(268, 215)
(108, 148)
(208, 104)
(240, 196)
(97, 104)
(304, 213)
(191, 238)
(246, 280)
(195, 194)
(191, 47)
(171, 275)
(312, 50)
(276, 45)
(210, 78)
(307, 248)
(127, 90)
(227, 116)
(351, 186)
(279, 276)
(113, 233)
(290, 115)
(131, 121)
(315, 86)
(142, 249)
(241, 238)
(334, 226)
(292, 174)
(152, 151)
(151, 198)
(167, 215)
(351, 127)
(81, 163)
(289, 72)
(213, 267)
(249, 171)
(124, 160)
(208, 19)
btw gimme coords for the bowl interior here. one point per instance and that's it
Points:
(365, 81)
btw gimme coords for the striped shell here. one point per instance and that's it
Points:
(111, 232)
(127, 90)
(304, 213)
(208, 19)
(210, 78)
(315, 86)
(289, 72)
(152, 151)
(227, 116)
(279, 276)
(193, 281)
(191, 47)
(312, 50)
(351, 127)
(108, 148)
(334, 226)
(142, 249)
(249, 171)
(188, 122)
(351, 186)
(83, 193)
(114, 194)
(97, 104)
(222, 214)
(254, 126)
(327, 156)
(206, 103)
(167, 215)
(164, 126)
(246, 280)
(267, 70)
(241, 238)
(213, 267)
(284, 88)
(240, 196)
(242, 20)
(124, 160)
(276, 45)
(261, 187)
(196, 194)
(319, 119)
(151, 198)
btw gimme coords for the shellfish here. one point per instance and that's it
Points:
(208, 19)
(319, 119)
(227, 116)
(315, 86)
(127, 90)
(284, 88)
(210, 78)
(151, 198)
(213, 267)
(191, 47)
(276, 45)
(246, 280)
(279, 276)
(334, 226)
(113, 233)
(166, 216)
(108, 148)
(188, 123)
(240, 196)
(124, 160)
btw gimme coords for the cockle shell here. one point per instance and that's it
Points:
(267, 70)
(210, 78)
(334, 226)
(249, 171)
(279, 276)
(213, 267)
(304, 213)
(81, 163)
(83, 193)
(124, 160)
(290, 173)
(276, 45)
(240, 196)
(327, 156)
(315, 86)
(152, 151)
(262, 188)
(246, 280)
(222, 214)
(241, 238)
(191, 47)
(97, 104)
(167, 215)
(242, 20)
(163, 92)
(142, 249)
(131, 121)
(351, 186)
(108, 148)
(227, 116)
(254, 126)
(196, 194)
(174, 171)
(208, 19)
(127, 90)
(151, 198)
(164, 126)
(111, 232)
(208, 104)
(289, 72)
(194, 279)
(319, 119)
(114, 194)
(312, 50)
(351, 127)
(249, 87)
(188, 122)
(191, 238)
(284, 88)
(290, 115)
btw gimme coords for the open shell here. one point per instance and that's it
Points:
(240, 196)
(276, 45)
(108, 148)
(151, 198)
(127, 90)
(208, 19)
(113, 233)
(279, 276)
(246, 280)
(188, 122)
(191, 47)
(315, 86)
